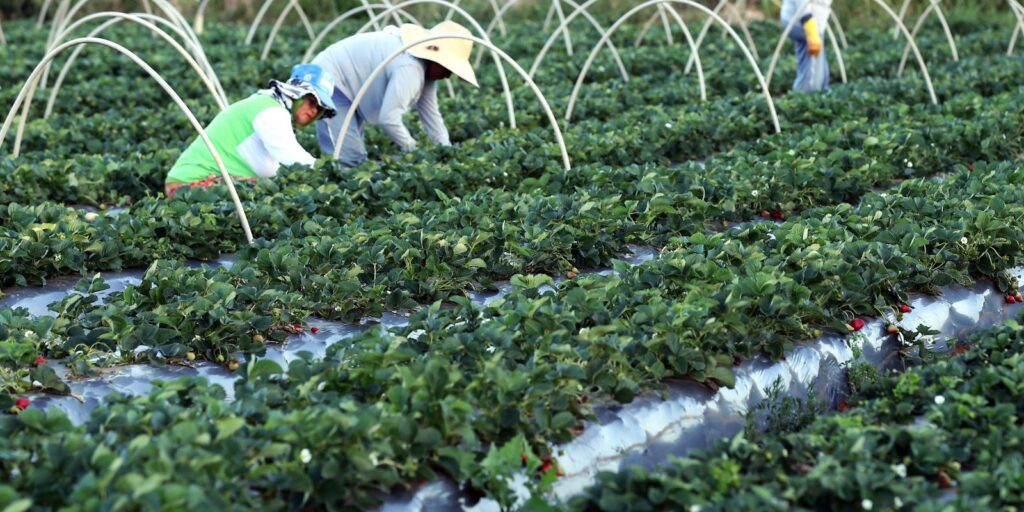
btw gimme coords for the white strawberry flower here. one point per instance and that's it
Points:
(753, 193)
(963, 240)
(939, 399)
(305, 456)
(900, 470)
(866, 504)
(897, 502)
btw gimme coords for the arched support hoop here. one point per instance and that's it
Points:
(625, 17)
(53, 53)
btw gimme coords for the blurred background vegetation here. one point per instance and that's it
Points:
(863, 13)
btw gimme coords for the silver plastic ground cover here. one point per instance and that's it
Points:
(647, 431)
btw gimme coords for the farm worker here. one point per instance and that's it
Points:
(255, 136)
(807, 34)
(408, 81)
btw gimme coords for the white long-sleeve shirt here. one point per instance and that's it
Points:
(820, 9)
(397, 90)
(274, 144)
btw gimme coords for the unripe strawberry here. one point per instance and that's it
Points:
(191, 356)
(892, 329)
(258, 338)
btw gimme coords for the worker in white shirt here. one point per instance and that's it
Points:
(408, 81)
(811, 64)
(255, 136)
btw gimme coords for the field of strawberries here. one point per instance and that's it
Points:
(459, 315)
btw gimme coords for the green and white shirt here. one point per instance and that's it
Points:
(253, 138)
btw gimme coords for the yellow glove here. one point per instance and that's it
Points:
(813, 38)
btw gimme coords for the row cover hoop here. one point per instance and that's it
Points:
(563, 27)
(346, 15)
(66, 12)
(117, 17)
(484, 42)
(277, 27)
(263, 12)
(1018, 29)
(892, 14)
(707, 26)
(3, 38)
(691, 3)
(34, 78)
(495, 52)
(498, 15)
(933, 6)
(666, 26)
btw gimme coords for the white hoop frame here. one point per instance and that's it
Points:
(498, 16)
(346, 15)
(476, 25)
(580, 10)
(190, 40)
(529, 81)
(3, 38)
(65, 13)
(1018, 29)
(888, 10)
(707, 26)
(933, 6)
(53, 53)
(785, 36)
(263, 12)
(691, 3)
(115, 18)
(586, 14)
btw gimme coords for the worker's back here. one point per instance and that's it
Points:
(352, 60)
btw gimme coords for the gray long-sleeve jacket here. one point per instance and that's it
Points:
(402, 85)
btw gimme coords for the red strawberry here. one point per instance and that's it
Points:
(313, 330)
(559, 472)
(777, 215)
(970, 167)
(765, 214)
(40, 360)
(857, 324)
(905, 308)
(1011, 299)
(522, 457)
(547, 466)
(22, 403)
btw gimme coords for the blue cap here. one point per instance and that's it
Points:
(313, 77)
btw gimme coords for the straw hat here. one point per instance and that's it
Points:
(453, 54)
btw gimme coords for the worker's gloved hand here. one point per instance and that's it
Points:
(813, 38)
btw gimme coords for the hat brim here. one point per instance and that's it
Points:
(459, 67)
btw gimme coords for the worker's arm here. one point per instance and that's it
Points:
(812, 35)
(274, 127)
(404, 85)
(430, 115)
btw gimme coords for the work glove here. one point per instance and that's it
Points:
(813, 38)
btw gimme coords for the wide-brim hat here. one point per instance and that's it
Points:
(451, 53)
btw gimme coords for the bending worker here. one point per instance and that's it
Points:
(807, 33)
(408, 81)
(255, 136)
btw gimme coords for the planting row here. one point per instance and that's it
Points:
(458, 389)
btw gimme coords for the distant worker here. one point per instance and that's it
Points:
(408, 81)
(255, 136)
(807, 33)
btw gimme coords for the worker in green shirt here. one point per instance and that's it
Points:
(255, 136)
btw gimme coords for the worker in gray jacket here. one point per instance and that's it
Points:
(408, 81)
